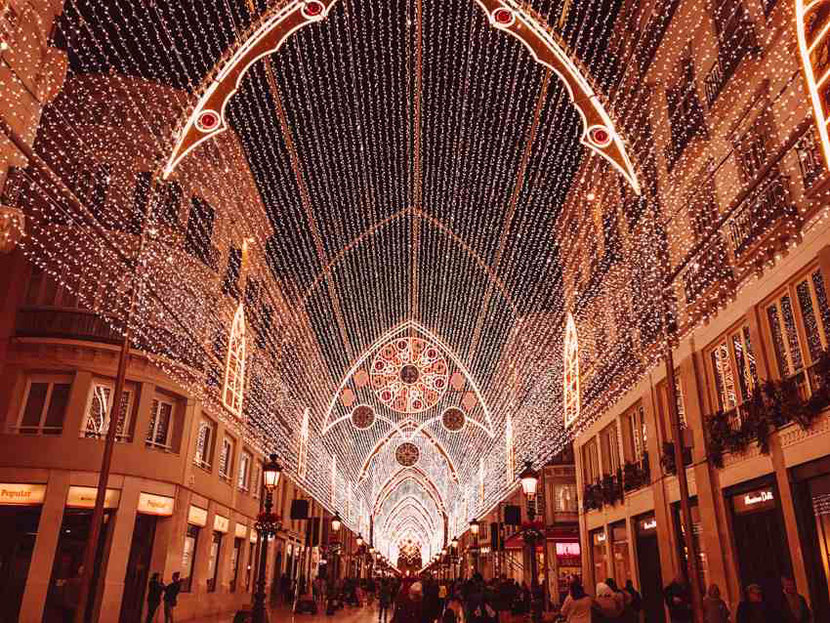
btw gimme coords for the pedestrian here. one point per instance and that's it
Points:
(454, 612)
(714, 608)
(154, 592)
(794, 608)
(754, 609)
(171, 595)
(577, 605)
(633, 602)
(678, 600)
(607, 605)
(384, 600)
(72, 595)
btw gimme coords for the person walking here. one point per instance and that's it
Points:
(678, 600)
(794, 608)
(754, 609)
(714, 608)
(454, 612)
(384, 600)
(171, 595)
(633, 602)
(155, 590)
(577, 605)
(607, 605)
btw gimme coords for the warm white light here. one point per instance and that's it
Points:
(529, 479)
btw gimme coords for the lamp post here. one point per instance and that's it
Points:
(475, 526)
(266, 526)
(530, 480)
(454, 556)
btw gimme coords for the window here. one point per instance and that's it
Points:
(590, 461)
(751, 148)
(91, 187)
(226, 459)
(634, 434)
(234, 389)
(810, 159)
(191, 539)
(571, 373)
(199, 233)
(213, 560)
(256, 481)
(230, 286)
(170, 201)
(141, 195)
(204, 444)
(609, 446)
(159, 433)
(685, 112)
(798, 320)
(733, 368)
(243, 478)
(237, 549)
(44, 405)
(565, 498)
(98, 409)
(250, 564)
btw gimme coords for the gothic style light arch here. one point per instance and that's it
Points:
(207, 118)
(570, 392)
(233, 390)
(812, 23)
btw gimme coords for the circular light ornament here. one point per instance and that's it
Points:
(363, 417)
(453, 419)
(409, 375)
(599, 136)
(207, 121)
(313, 9)
(407, 454)
(503, 17)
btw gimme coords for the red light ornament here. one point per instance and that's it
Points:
(207, 121)
(313, 8)
(599, 136)
(503, 17)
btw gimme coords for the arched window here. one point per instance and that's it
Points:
(234, 389)
(571, 374)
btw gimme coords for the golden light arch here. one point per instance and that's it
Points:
(207, 118)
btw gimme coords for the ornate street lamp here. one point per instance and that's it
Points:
(474, 549)
(336, 522)
(530, 480)
(359, 540)
(266, 526)
(474, 527)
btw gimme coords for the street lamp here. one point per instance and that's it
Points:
(474, 527)
(529, 479)
(266, 526)
(336, 522)
(359, 540)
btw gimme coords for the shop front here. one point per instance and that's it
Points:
(811, 494)
(621, 557)
(20, 507)
(647, 550)
(150, 510)
(599, 555)
(759, 535)
(62, 596)
(683, 554)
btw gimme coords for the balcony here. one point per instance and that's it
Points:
(731, 52)
(762, 209)
(76, 324)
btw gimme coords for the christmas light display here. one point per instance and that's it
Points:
(409, 189)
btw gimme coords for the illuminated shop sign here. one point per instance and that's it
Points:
(197, 516)
(241, 530)
(160, 505)
(568, 550)
(599, 537)
(22, 494)
(84, 497)
(220, 523)
(751, 501)
(649, 524)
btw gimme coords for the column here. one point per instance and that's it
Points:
(122, 532)
(43, 556)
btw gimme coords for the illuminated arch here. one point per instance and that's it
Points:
(207, 119)
(233, 391)
(570, 393)
(403, 475)
(364, 470)
(812, 46)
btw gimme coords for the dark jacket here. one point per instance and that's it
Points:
(154, 592)
(171, 592)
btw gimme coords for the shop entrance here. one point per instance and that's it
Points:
(19, 529)
(138, 568)
(648, 566)
(760, 538)
(63, 591)
(811, 492)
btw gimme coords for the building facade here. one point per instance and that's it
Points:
(732, 231)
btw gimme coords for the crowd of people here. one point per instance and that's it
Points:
(427, 600)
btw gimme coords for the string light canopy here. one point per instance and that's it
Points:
(402, 184)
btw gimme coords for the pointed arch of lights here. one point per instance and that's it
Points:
(404, 504)
(207, 119)
(812, 24)
(401, 329)
(233, 389)
(393, 434)
(399, 478)
(570, 374)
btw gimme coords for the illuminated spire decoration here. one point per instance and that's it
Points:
(571, 373)
(234, 388)
(302, 452)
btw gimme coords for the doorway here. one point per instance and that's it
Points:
(648, 566)
(19, 529)
(138, 568)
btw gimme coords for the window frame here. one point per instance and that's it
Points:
(634, 435)
(225, 467)
(152, 432)
(130, 392)
(243, 475)
(191, 531)
(718, 395)
(803, 376)
(51, 380)
(214, 559)
(206, 460)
